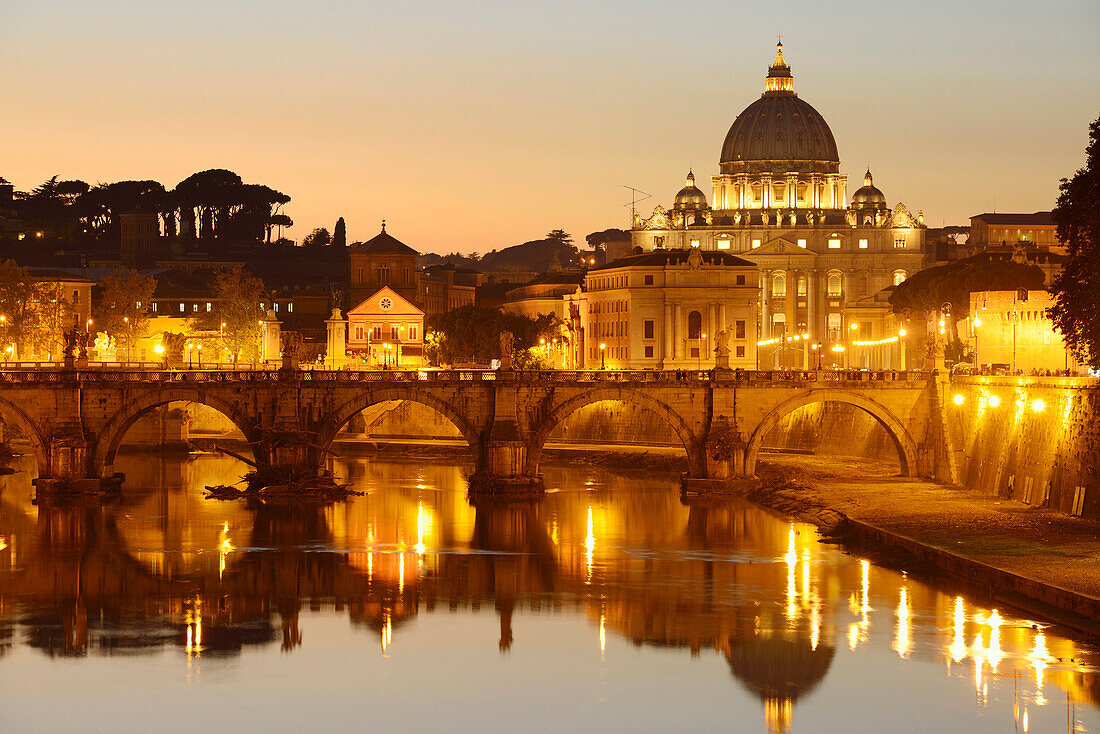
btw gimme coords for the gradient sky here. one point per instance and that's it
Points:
(476, 125)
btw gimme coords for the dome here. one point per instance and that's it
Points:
(780, 132)
(690, 197)
(868, 195)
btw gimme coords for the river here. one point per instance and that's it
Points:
(610, 605)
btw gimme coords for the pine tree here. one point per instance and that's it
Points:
(1076, 290)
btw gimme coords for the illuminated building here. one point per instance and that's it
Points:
(1007, 330)
(780, 201)
(386, 329)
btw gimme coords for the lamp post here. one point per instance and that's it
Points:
(974, 324)
(198, 348)
(901, 345)
(603, 361)
(702, 348)
(853, 330)
(126, 321)
(189, 363)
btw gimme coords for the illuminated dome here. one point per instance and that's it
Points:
(868, 196)
(690, 197)
(779, 132)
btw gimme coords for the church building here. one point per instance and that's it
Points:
(780, 201)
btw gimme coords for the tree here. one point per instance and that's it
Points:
(340, 234)
(32, 315)
(560, 236)
(1076, 290)
(317, 238)
(124, 308)
(238, 295)
(471, 334)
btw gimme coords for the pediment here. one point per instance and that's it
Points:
(372, 305)
(780, 246)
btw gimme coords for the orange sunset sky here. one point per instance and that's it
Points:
(474, 126)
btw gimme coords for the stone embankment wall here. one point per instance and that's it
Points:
(1030, 439)
(835, 429)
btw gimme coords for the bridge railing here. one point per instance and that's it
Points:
(45, 375)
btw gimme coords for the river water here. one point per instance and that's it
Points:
(610, 605)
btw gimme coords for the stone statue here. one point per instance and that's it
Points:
(737, 219)
(70, 338)
(850, 217)
(82, 344)
(794, 219)
(292, 344)
(764, 217)
(507, 340)
(810, 219)
(920, 217)
(721, 343)
(880, 219)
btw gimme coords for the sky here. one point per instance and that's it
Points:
(477, 125)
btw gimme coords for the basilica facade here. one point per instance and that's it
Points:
(780, 201)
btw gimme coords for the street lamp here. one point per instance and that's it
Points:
(190, 364)
(603, 362)
(87, 325)
(702, 347)
(199, 348)
(839, 349)
(974, 332)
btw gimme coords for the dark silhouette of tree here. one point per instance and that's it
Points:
(471, 334)
(1076, 290)
(124, 308)
(340, 234)
(49, 206)
(99, 208)
(237, 298)
(317, 238)
(204, 199)
(560, 236)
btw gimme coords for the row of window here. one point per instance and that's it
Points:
(382, 274)
(375, 332)
(834, 283)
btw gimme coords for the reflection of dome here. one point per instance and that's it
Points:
(779, 132)
(690, 197)
(868, 196)
(779, 669)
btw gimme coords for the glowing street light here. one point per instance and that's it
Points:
(994, 401)
(958, 399)
(1038, 405)
(603, 361)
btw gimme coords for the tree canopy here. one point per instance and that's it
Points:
(471, 334)
(953, 283)
(238, 295)
(124, 307)
(1076, 290)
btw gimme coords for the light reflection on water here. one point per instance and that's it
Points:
(610, 605)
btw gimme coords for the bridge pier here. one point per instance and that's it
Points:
(502, 454)
(69, 469)
(723, 463)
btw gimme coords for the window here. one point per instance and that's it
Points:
(358, 332)
(195, 308)
(740, 351)
(659, 241)
(393, 333)
(276, 305)
(723, 244)
(801, 286)
(863, 244)
(834, 326)
(647, 328)
(802, 244)
(290, 307)
(899, 242)
(900, 276)
(137, 305)
(695, 325)
(695, 352)
(740, 280)
(834, 284)
(739, 330)
(359, 275)
(695, 243)
(834, 244)
(412, 332)
(755, 244)
(377, 335)
(76, 298)
(182, 309)
(154, 306)
(649, 280)
(383, 273)
(649, 351)
(779, 284)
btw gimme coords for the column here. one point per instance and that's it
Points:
(811, 306)
(712, 333)
(677, 333)
(765, 306)
(667, 329)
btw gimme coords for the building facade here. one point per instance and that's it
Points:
(382, 261)
(669, 309)
(1011, 329)
(386, 330)
(780, 201)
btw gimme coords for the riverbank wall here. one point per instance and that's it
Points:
(1033, 440)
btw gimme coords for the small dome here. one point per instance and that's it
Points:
(868, 195)
(690, 197)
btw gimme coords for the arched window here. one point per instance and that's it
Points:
(779, 284)
(801, 286)
(900, 276)
(695, 325)
(863, 287)
(834, 284)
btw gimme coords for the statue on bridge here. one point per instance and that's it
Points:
(722, 349)
(507, 344)
(292, 349)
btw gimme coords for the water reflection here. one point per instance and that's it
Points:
(166, 569)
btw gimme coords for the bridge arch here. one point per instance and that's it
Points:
(363, 400)
(696, 463)
(906, 447)
(115, 429)
(11, 412)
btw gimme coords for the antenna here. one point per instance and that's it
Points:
(634, 200)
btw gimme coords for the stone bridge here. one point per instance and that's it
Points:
(76, 419)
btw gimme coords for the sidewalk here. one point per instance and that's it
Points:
(1050, 548)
